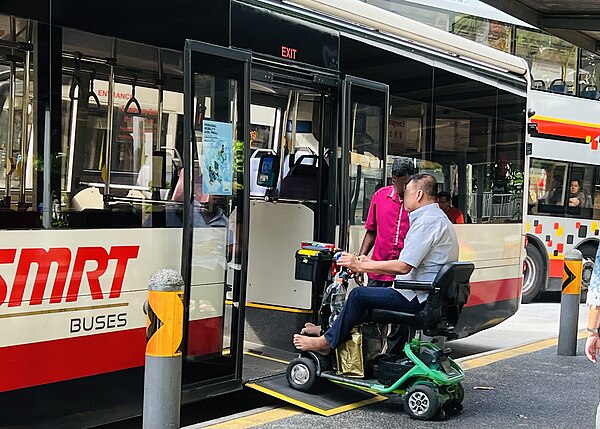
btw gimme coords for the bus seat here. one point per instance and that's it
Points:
(302, 181)
(590, 91)
(538, 84)
(558, 85)
(88, 198)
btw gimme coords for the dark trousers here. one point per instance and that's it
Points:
(359, 302)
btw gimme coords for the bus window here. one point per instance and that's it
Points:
(476, 154)
(119, 167)
(19, 205)
(367, 152)
(547, 187)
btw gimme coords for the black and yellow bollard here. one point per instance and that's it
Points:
(569, 304)
(164, 343)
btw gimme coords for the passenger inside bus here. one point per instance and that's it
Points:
(576, 197)
(445, 202)
(430, 243)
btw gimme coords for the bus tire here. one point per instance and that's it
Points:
(588, 251)
(533, 277)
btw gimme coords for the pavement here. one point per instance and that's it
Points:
(515, 379)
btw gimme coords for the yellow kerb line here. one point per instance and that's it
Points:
(510, 353)
(258, 418)
(288, 411)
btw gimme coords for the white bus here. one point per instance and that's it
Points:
(563, 205)
(129, 138)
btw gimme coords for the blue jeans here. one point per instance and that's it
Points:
(359, 302)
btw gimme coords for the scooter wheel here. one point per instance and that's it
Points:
(301, 374)
(421, 402)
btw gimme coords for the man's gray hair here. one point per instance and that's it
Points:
(403, 167)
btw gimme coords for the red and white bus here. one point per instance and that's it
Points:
(563, 180)
(130, 137)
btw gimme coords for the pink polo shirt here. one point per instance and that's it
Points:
(389, 219)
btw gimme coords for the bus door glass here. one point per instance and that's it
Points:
(216, 112)
(364, 142)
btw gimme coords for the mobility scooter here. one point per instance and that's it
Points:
(427, 379)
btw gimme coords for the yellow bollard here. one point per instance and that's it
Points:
(569, 304)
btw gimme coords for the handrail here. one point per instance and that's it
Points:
(133, 100)
(92, 94)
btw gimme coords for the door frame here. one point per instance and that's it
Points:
(346, 138)
(244, 59)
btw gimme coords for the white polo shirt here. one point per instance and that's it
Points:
(431, 243)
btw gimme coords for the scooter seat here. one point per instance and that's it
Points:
(389, 316)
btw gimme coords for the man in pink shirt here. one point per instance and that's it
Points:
(387, 222)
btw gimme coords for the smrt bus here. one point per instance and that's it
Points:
(563, 207)
(130, 137)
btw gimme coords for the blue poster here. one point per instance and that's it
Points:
(217, 167)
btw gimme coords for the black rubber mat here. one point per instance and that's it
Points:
(332, 398)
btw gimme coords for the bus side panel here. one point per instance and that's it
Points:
(73, 305)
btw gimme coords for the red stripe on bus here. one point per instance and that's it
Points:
(490, 291)
(566, 130)
(556, 268)
(34, 364)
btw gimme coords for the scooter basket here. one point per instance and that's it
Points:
(390, 369)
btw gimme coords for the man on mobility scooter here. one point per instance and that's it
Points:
(425, 296)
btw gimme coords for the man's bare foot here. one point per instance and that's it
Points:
(314, 344)
(311, 329)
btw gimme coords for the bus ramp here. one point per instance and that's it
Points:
(331, 399)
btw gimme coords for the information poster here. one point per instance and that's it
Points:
(217, 168)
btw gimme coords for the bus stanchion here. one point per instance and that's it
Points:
(164, 343)
(569, 304)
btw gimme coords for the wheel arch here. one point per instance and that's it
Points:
(588, 241)
(537, 243)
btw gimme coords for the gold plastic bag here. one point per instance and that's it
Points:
(349, 356)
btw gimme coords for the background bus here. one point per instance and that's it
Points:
(563, 184)
(100, 186)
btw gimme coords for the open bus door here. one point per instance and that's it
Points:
(364, 133)
(215, 233)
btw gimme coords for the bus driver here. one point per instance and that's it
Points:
(431, 242)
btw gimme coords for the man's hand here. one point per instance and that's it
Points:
(350, 261)
(592, 346)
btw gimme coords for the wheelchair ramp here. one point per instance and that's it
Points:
(331, 398)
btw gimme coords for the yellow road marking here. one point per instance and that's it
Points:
(288, 411)
(510, 353)
(272, 307)
(258, 355)
(257, 419)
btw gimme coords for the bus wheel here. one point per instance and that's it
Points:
(533, 277)
(589, 254)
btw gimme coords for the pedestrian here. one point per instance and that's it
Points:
(388, 221)
(592, 344)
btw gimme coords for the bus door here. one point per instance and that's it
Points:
(364, 133)
(291, 117)
(216, 115)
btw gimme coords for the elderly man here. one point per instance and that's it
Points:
(430, 244)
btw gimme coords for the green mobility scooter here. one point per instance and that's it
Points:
(427, 379)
